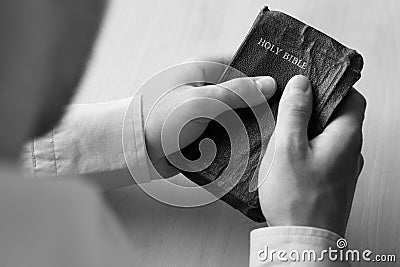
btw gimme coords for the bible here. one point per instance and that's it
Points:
(279, 46)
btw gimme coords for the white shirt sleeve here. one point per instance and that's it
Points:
(88, 141)
(294, 246)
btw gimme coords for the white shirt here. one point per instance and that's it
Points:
(88, 141)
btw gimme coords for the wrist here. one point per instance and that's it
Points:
(329, 223)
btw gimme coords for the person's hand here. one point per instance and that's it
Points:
(231, 93)
(312, 182)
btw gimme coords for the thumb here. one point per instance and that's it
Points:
(241, 91)
(294, 112)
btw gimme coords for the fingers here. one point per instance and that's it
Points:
(343, 135)
(224, 58)
(346, 123)
(294, 112)
(237, 92)
(360, 163)
(348, 118)
(211, 72)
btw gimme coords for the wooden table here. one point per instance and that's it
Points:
(140, 38)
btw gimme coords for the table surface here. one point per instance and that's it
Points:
(140, 38)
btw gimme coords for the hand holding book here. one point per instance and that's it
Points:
(281, 47)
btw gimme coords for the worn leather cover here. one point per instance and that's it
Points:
(279, 46)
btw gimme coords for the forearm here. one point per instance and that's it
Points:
(87, 142)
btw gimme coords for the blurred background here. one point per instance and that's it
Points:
(140, 38)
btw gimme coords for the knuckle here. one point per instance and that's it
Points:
(235, 91)
(218, 98)
(238, 87)
(230, 84)
(220, 93)
(355, 134)
(361, 162)
(353, 138)
(364, 102)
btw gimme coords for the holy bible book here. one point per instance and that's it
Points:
(280, 46)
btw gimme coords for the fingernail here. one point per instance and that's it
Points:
(299, 82)
(266, 84)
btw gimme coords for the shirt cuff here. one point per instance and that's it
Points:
(295, 246)
(140, 166)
